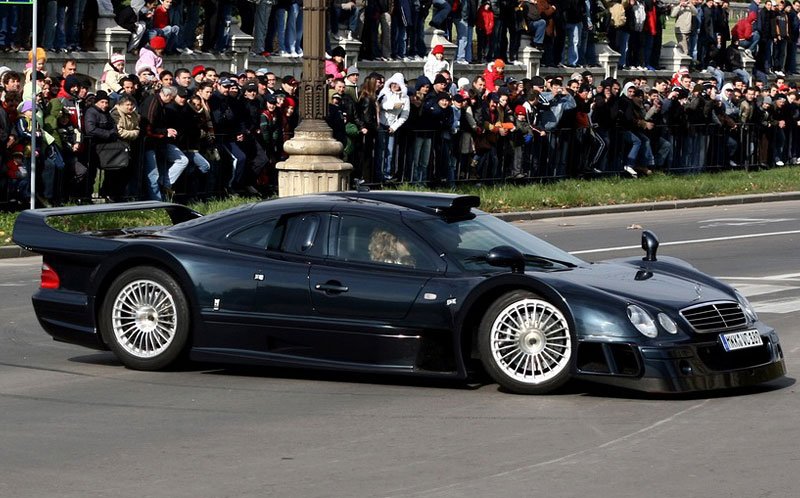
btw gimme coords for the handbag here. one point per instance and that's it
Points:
(113, 155)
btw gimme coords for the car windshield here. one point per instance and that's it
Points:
(469, 241)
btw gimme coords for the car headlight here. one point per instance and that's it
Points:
(668, 323)
(746, 306)
(642, 321)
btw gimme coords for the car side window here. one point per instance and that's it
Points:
(255, 235)
(296, 234)
(366, 240)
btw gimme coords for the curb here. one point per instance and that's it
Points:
(18, 252)
(649, 206)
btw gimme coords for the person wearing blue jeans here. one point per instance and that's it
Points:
(9, 20)
(294, 29)
(73, 22)
(384, 154)
(263, 11)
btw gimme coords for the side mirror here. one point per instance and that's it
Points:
(506, 257)
(650, 245)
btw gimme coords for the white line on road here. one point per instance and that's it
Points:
(693, 241)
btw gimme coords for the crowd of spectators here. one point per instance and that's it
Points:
(213, 132)
(203, 132)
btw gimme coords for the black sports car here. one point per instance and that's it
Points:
(395, 282)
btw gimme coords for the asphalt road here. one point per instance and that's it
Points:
(74, 423)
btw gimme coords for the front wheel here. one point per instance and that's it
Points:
(145, 318)
(526, 344)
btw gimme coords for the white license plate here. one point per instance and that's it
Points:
(740, 340)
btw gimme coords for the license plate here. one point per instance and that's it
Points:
(740, 340)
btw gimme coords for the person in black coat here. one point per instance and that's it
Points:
(100, 128)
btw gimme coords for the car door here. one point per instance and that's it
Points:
(357, 284)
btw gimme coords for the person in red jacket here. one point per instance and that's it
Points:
(161, 27)
(494, 71)
(484, 25)
(747, 36)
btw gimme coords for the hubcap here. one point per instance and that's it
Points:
(144, 318)
(530, 341)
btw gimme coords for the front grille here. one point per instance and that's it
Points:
(715, 317)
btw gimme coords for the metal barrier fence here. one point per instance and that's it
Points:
(431, 158)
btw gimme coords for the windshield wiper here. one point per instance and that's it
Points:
(545, 259)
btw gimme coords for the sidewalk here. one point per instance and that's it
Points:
(17, 252)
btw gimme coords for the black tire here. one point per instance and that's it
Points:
(144, 318)
(526, 343)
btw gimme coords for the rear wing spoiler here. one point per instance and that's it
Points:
(32, 232)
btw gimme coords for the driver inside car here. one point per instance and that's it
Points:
(386, 247)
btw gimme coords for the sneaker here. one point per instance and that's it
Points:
(265, 54)
(630, 171)
(779, 163)
(780, 73)
(349, 35)
(284, 53)
(748, 53)
(519, 63)
(188, 51)
(300, 53)
(461, 61)
(293, 54)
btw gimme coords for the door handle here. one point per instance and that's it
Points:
(332, 288)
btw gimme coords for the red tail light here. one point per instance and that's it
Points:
(50, 278)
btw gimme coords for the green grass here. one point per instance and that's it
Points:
(508, 198)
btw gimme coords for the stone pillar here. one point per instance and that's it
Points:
(351, 50)
(110, 37)
(532, 58)
(609, 59)
(240, 46)
(672, 58)
(313, 165)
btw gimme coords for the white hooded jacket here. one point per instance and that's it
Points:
(394, 107)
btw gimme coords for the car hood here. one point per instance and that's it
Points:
(664, 284)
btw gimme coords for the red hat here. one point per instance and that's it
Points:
(498, 63)
(158, 42)
(438, 49)
(198, 69)
(520, 110)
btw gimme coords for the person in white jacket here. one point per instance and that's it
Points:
(435, 63)
(393, 109)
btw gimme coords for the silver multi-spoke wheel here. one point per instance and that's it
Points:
(144, 318)
(530, 341)
(526, 344)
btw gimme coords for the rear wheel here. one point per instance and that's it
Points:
(145, 318)
(526, 344)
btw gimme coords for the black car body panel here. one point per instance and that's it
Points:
(286, 282)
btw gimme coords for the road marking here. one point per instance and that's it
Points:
(741, 222)
(691, 241)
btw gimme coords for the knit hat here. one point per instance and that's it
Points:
(438, 49)
(352, 70)
(71, 81)
(117, 58)
(499, 64)
(41, 55)
(520, 110)
(440, 79)
(100, 95)
(158, 42)
(338, 52)
(198, 69)
(443, 96)
(26, 106)
(463, 82)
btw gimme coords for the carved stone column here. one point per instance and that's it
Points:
(314, 164)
